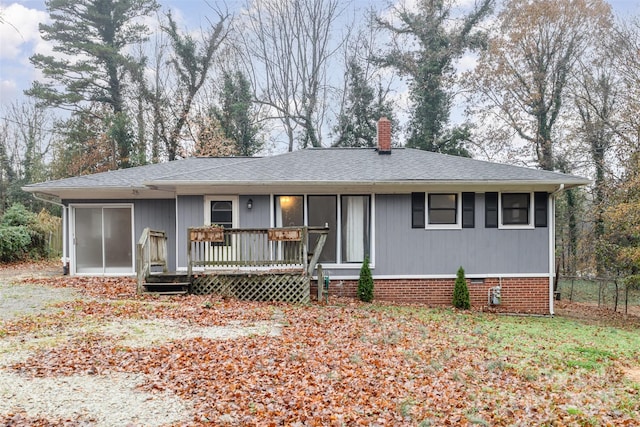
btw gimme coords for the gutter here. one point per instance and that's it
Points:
(161, 185)
(552, 245)
(195, 183)
(65, 257)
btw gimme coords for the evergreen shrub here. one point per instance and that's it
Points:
(461, 292)
(365, 282)
(22, 235)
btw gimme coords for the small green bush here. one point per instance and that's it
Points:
(18, 215)
(365, 282)
(22, 235)
(461, 291)
(14, 243)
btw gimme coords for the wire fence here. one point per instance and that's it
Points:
(610, 293)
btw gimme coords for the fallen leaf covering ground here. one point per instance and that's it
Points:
(348, 363)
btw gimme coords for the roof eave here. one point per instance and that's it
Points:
(42, 189)
(161, 186)
(180, 183)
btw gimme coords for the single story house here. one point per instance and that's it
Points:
(418, 215)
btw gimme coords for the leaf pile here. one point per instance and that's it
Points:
(344, 364)
(351, 364)
(591, 313)
(106, 287)
(18, 267)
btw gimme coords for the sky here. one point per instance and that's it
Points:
(20, 38)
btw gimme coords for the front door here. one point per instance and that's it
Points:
(103, 239)
(222, 211)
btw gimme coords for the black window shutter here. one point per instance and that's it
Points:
(417, 210)
(541, 204)
(468, 210)
(491, 210)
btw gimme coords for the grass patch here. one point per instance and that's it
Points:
(405, 407)
(546, 341)
(574, 411)
(589, 358)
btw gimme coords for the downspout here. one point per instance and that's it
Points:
(552, 245)
(65, 257)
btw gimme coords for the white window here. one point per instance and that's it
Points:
(356, 228)
(443, 210)
(221, 210)
(516, 210)
(349, 218)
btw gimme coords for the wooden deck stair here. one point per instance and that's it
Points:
(166, 284)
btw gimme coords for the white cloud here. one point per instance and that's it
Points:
(8, 89)
(19, 29)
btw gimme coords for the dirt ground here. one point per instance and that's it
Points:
(90, 399)
(93, 399)
(592, 314)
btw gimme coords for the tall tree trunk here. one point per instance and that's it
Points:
(573, 231)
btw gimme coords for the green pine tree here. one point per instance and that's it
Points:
(237, 116)
(365, 283)
(94, 37)
(461, 292)
(363, 107)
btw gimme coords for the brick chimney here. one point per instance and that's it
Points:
(384, 136)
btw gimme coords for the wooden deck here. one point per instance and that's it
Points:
(273, 264)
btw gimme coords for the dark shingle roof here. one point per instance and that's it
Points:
(335, 165)
(366, 165)
(136, 177)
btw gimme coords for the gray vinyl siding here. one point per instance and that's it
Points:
(401, 250)
(256, 217)
(159, 215)
(190, 214)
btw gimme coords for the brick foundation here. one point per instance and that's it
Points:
(519, 295)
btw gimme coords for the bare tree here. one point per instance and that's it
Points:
(625, 48)
(596, 98)
(191, 64)
(287, 50)
(523, 76)
(25, 143)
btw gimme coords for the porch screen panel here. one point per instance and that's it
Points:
(88, 238)
(117, 239)
(323, 210)
(355, 228)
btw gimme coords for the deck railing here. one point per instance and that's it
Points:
(151, 251)
(253, 248)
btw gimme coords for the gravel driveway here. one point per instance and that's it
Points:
(22, 300)
(113, 399)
